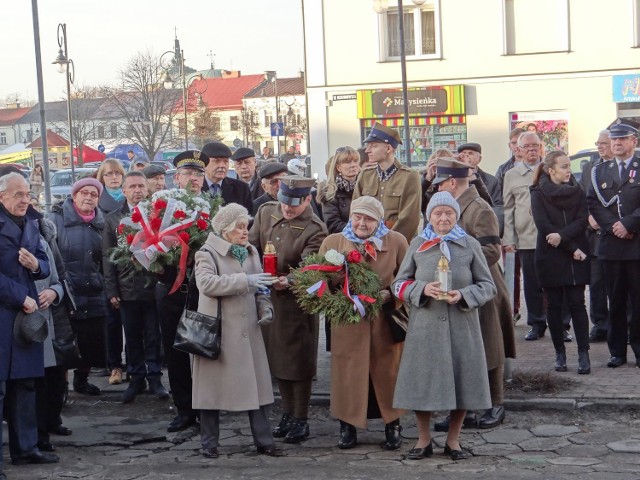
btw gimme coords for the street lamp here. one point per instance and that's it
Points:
(381, 6)
(65, 65)
(168, 83)
(272, 77)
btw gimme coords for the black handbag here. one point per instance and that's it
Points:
(398, 320)
(197, 333)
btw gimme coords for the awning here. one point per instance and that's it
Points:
(15, 157)
(89, 154)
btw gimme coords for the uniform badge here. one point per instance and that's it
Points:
(604, 185)
(635, 164)
(610, 164)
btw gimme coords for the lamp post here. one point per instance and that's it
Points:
(272, 77)
(380, 6)
(168, 83)
(65, 65)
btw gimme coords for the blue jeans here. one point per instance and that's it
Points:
(18, 401)
(142, 335)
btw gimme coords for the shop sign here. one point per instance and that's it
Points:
(444, 100)
(626, 88)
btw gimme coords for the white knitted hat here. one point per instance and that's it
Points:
(440, 199)
(226, 216)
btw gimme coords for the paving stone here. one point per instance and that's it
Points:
(187, 445)
(531, 457)
(543, 444)
(375, 463)
(501, 450)
(575, 461)
(507, 435)
(631, 445)
(554, 430)
(134, 453)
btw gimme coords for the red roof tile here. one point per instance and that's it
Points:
(53, 140)
(285, 86)
(10, 116)
(223, 93)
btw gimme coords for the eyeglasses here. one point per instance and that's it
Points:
(88, 193)
(113, 174)
(597, 144)
(533, 146)
(21, 196)
(191, 173)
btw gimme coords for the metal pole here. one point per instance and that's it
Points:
(275, 88)
(69, 66)
(405, 100)
(43, 121)
(184, 101)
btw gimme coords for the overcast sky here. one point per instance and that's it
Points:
(247, 35)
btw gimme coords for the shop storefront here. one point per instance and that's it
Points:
(436, 117)
(626, 95)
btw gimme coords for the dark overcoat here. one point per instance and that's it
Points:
(560, 209)
(16, 283)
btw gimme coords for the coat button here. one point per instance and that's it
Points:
(443, 319)
(282, 225)
(244, 315)
(244, 334)
(278, 238)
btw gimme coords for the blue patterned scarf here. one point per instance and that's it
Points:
(370, 244)
(116, 193)
(429, 235)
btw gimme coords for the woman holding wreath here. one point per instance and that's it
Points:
(443, 364)
(364, 357)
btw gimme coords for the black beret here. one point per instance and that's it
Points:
(153, 171)
(242, 153)
(271, 168)
(470, 146)
(216, 150)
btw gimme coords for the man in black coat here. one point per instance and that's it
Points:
(216, 181)
(244, 162)
(614, 202)
(133, 293)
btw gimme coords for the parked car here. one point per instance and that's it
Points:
(579, 159)
(61, 182)
(125, 164)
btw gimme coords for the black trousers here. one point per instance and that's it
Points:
(599, 306)
(170, 309)
(573, 296)
(92, 341)
(533, 294)
(50, 391)
(623, 284)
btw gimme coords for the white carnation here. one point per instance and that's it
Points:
(334, 257)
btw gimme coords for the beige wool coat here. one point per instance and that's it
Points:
(239, 380)
(366, 350)
(400, 196)
(519, 227)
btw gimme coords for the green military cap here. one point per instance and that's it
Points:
(447, 168)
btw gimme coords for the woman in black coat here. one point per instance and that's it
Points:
(559, 209)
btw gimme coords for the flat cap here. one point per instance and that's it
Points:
(470, 146)
(153, 171)
(216, 150)
(271, 169)
(242, 153)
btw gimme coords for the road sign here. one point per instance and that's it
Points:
(101, 148)
(277, 129)
(237, 143)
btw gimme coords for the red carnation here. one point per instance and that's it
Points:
(136, 217)
(179, 215)
(202, 225)
(155, 223)
(160, 204)
(354, 257)
(120, 228)
(204, 215)
(130, 238)
(185, 237)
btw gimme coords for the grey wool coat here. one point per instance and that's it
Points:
(239, 380)
(443, 364)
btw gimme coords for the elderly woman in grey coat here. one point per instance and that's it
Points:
(443, 365)
(228, 270)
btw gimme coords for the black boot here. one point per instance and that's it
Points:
(81, 384)
(584, 364)
(298, 432)
(392, 435)
(137, 385)
(284, 426)
(492, 417)
(156, 388)
(348, 436)
(561, 362)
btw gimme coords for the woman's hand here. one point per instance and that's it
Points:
(454, 296)
(553, 239)
(579, 255)
(281, 284)
(28, 260)
(47, 297)
(432, 289)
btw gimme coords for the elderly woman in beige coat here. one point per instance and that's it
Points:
(228, 270)
(364, 357)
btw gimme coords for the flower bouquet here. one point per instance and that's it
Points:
(165, 231)
(357, 297)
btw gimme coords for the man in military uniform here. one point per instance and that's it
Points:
(395, 185)
(614, 202)
(189, 175)
(292, 338)
(478, 220)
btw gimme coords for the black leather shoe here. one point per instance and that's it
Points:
(566, 336)
(210, 452)
(137, 386)
(598, 336)
(298, 432)
(46, 447)
(561, 362)
(156, 388)
(420, 453)
(36, 458)
(61, 430)
(534, 334)
(492, 417)
(584, 364)
(86, 388)
(271, 450)
(284, 426)
(392, 435)
(348, 436)
(455, 454)
(615, 362)
(181, 422)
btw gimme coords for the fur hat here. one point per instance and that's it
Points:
(369, 206)
(443, 198)
(226, 216)
(86, 182)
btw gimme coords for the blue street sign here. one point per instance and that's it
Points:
(277, 129)
(101, 148)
